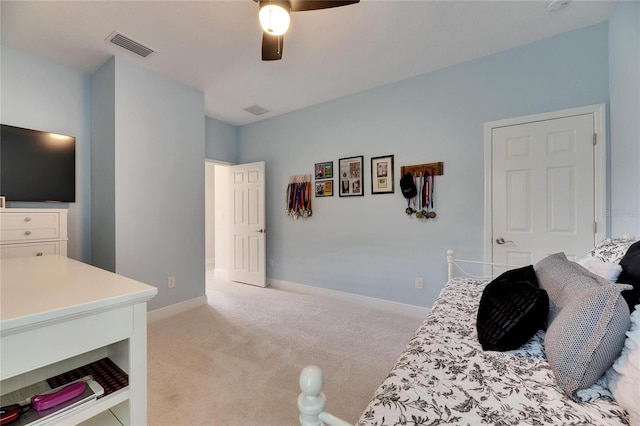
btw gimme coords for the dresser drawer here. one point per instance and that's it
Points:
(18, 227)
(27, 250)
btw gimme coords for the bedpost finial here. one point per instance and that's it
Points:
(311, 380)
(311, 401)
(449, 264)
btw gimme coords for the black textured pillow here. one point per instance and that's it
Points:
(512, 309)
(631, 275)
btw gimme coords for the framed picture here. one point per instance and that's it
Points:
(351, 177)
(324, 170)
(382, 175)
(324, 188)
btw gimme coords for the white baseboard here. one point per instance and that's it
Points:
(371, 302)
(176, 308)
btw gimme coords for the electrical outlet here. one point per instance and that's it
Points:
(271, 262)
(171, 282)
(419, 283)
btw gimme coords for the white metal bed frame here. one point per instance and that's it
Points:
(311, 401)
(452, 263)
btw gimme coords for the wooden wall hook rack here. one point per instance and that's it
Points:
(434, 169)
(300, 179)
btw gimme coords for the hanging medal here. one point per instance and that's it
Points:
(308, 206)
(432, 213)
(419, 187)
(296, 213)
(409, 211)
(289, 201)
(424, 194)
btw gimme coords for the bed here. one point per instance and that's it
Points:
(445, 377)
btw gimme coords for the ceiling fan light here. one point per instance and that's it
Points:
(274, 18)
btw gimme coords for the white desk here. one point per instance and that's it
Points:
(57, 314)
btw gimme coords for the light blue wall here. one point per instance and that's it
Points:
(367, 245)
(624, 88)
(103, 116)
(38, 94)
(158, 179)
(221, 141)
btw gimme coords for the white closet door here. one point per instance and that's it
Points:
(543, 189)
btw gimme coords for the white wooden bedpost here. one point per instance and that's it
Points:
(311, 401)
(449, 264)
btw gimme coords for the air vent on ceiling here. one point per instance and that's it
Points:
(131, 45)
(256, 110)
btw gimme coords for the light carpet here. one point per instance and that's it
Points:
(237, 360)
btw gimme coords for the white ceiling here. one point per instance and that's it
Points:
(214, 46)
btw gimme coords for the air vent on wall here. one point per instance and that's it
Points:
(256, 110)
(131, 45)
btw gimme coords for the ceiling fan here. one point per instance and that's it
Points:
(274, 19)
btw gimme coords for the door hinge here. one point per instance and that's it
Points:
(595, 227)
(595, 139)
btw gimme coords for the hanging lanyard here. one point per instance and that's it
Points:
(289, 206)
(433, 184)
(415, 178)
(425, 190)
(307, 199)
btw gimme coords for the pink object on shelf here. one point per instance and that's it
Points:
(44, 401)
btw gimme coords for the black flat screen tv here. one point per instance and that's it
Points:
(36, 165)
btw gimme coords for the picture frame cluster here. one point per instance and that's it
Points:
(350, 174)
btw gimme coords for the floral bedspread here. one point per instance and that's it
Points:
(445, 378)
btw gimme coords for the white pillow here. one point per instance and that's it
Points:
(624, 374)
(608, 271)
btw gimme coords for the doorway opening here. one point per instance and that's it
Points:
(217, 212)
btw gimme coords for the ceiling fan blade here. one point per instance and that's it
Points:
(302, 5)
(271, 47)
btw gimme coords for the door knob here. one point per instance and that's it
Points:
(501, 240)
(262, 231)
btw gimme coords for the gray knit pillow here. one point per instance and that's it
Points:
(562, 278)
(588, 320)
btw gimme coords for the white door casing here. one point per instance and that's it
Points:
(545, 185)
(248, 233)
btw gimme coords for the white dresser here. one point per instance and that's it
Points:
(32, 232)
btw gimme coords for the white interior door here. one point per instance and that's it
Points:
(543, 189)
(248, 233)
